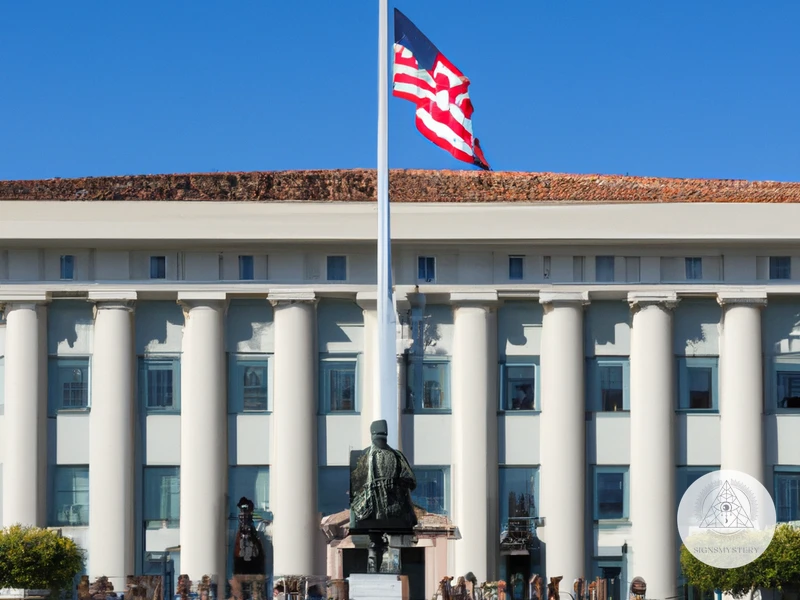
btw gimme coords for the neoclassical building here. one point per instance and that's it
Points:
(573, 352)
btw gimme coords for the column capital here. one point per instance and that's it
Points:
(287, 297)
(366, 300)
(581, 298)
(112, 299)
(665, 300)
(486, 298)
(757, 298)
(23, 297)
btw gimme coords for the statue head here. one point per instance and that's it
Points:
(379, 431)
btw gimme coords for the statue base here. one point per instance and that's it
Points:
(378, 587)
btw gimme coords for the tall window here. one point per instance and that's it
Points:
(686, 476)
(248, 378)
(609, 384)
(515, 268)
(787, 495)
(67, 266)
(337, 268)
(69, 383)
(426, 268)
(338, 385)
(70, 496)
(697, 382)
(604, 268)
(159, 384)
(158, 267)
(610, 493)
(246, 271)
(251, 483)
(518, 496)
(429, 385)
(780, 267)
(518, 385)
(162, 497)
(694, 267)
(788, 386)
(433, 489)
(334, 489)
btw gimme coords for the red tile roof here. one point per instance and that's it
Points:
(358, 185)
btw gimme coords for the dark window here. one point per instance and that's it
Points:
(338, 386)
(246, 268)
(160, 384)
(337, 268)
(780, 267)
(611, 387)
(694, 268)
(787, 496)
(519, 387)
(426, 268)
(700, 387)
(788, 389)
(610, 494)
(604, 268)
(431, 492)
(158, 267)
(68, 266)
(69, 386)
(162, 497)
(334, 489)
(70, 496)
(515, 268)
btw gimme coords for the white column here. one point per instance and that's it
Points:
(111, 444)
(204, 439)
(652, 468)
(294, 484)
(741, 383)
(24, 499)
(563, 435)
(474, 409)
(369, 306)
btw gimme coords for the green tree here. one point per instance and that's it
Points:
(777, 568)
(34, 558)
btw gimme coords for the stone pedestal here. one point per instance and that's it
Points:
(378, 587)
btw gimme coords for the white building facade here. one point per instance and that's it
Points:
(580, 363)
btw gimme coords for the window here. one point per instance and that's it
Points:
(67, 266)
(246, 268)
(158, 267)
(338, 385)
(433, 489)
(247, 385)
(609, 384)
(70, 497)
(546, 267)
(517, 495)
(686, 476)
(515, 267)
(787, 495)
(788, 386)
(694, 268)
(429, 385)
(610, 493)
(159, 384)
(519, 391)
(697, 382)
(69, 383)
(162, 497)
(426, 268)
(780, 267)
(334, 489)
(251, 483)
(604, 268)
(337, 268)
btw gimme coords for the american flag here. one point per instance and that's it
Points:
(439, 90)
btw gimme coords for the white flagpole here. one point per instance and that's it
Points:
(384, 396)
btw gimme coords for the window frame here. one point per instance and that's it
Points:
(417, 406)
(682, 474)
(327, 363)
(427, 278)
(173, 523)
(156, 257)
(55, 392)
(777, 269)
(163, 363)
(781, 364)
(536, 485)
(521, 259)
(243, 267)
(447, 495)
(696, 263)
(604, 257)
(520, 361)
(688, 362)
(234, 496)
(328, 267)
(237, 362)
(338, 470)
(594, 401)
(611, 469)
(53, 519)
(67, 265)
(788, 472)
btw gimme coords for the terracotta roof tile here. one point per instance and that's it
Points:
(358, 185)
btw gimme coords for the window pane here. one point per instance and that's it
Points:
(246, 268)
(694, 268)
(159, 386)
(158, 267)
(610, 495)
(254, 387)
(162, 497)
(73, 384)
(520, 387)
(788, 389)
(68, 267)
(71, 496)
(426, 268)
(517, 494)
(780, 267)
(251, 483)
(787, 496)
(604, 268)
(431, 494)
(611, 388)
(337, 268)
(340, 380)
(334, 489)
(515, 267)
(700, 387)
(433, 386)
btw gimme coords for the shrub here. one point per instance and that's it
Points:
(34, 558)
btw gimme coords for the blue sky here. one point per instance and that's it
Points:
(684, 88)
